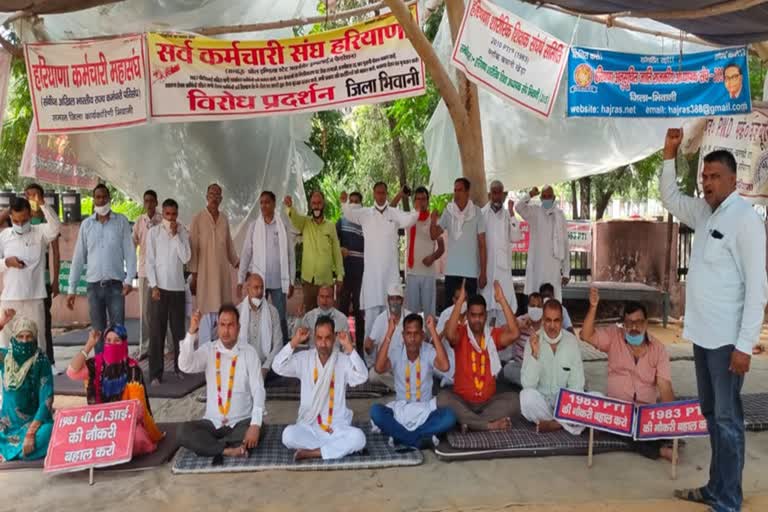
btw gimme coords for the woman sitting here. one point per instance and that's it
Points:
(26, 417)
(112, 376)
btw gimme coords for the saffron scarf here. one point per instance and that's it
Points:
(412, 238)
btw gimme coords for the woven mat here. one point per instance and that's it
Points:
(171, 387)
(272, 455)
(288, 388)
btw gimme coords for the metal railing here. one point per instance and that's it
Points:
(580, 265)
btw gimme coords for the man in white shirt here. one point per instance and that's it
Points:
(167, 251)
(379, 331)
(260, 324)
(22, 262)
(269, 250)
(324, 308)
(324, 427)
(552, 361)
(548, 252)
(725, 296)
(501, 231)
(147, 220)
(234, 408)
(421, 254)
(547, 292)
(381, 253)
(413, 418)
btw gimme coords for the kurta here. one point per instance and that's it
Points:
(501, 230)
(213, 252)
(33, 400)
(381, 254)
(542, 265)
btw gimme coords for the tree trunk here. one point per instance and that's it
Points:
(574, 201)
(602, 200)
(585, 185)
(399, 158)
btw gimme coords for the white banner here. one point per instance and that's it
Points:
(747, 138)
(510, 57)
(82, 86)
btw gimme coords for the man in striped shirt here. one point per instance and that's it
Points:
(352, 244)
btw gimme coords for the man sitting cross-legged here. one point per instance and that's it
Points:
(413, 418)
(234, 390)
(324, 427)
(476, 346)
(552, 361)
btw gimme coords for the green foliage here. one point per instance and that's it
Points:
(757, 71)
(18, 117)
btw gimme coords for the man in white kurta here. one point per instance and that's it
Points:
(548, 254)
(260, 323)
(501, 230)
(324, 427)
(381, 255)
(378, 332)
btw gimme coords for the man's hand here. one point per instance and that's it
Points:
(290, 291)
(482, 280)
(346, 342)
(343, 197)
(391, 326)
(434, 217)
(174, 228)
(534, 192)
(511, 207)
(301, 336)
(288, 201)
(565, 280)
(339, 286)
(344, 252)
(251, 439)
(156, 294)
(8, 315)
(194, 321)
(462, 295)
(71, 301)
(28, 446)
(594, 297)
(535, 344)
(672, 142)
(740, 362)
(428, 260)
(55, 290)
(93, 339)
(240, 291)
(14, 262)
(498, 293)
(127, 289)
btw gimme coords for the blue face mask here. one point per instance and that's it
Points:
(634, 339)
(547, 204)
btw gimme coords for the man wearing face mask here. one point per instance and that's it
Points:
(638, 364)
(529, 324)
(548, 252)
(260, 324)
(324, 308)
(501, 231)
(552, 361)
(395, 298)
(321, 262)
(382, 253)
(23, 264)
(105, 243)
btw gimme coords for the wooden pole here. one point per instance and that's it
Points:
(90, 476)
(675, 448)
(717, 9)
(591, 446)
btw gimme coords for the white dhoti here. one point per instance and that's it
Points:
(385, 379)
(344, 439)
(535, 408)
(32, 309)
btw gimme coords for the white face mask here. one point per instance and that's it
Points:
(535, 313)
(167, 225)
(256, 301)
(102, 210)
(22, 229)
(552, 341)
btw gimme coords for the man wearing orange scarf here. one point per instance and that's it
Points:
(422, 255)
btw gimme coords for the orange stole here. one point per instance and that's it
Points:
(135, 391)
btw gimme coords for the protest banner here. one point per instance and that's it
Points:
(197, 78)
(604, 83)
(746, 137)
(670, 420)
(579, 236)
(90, 437)
(82, 86)
(53, 159)
(594, 411)
(509, 56)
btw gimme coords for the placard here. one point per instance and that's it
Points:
(197, 78)
(598, 412)
(81, 86)
(604, 83)
(579, 236)
(510, 56)
(94, 436)
(670, 420)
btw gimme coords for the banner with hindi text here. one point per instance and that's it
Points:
(197, 78)
(510, 56)
(81, 86)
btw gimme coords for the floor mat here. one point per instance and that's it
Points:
(171, 387)
(272, 455)
(78, 337)
(288, 388)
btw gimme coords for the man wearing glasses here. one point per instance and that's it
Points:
(734, 80)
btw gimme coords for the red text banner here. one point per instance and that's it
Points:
(596, 411)
(579, 237)
(670, 420)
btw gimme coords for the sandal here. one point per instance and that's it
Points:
(695, 495)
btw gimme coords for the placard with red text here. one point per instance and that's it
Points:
(670, 420)
(598, 412)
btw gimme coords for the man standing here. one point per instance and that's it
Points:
(150, 218)
(213, 255)
(379, 331)
(725, 296)
(412, 418)
(167, 251)
(501, 230)
(476, 345)
(260, 323)
(23, 264)
(321, 262)
(234, 387)
(552, 361)
(324, 427)
(104, 244)
(423, 252)
(268, 250)
(324, 308)
(465, 227)
(352, 249)
(382, 256)
(548, 253)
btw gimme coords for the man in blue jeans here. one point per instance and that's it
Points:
(726, 293)
(413, 419)
(104, 244)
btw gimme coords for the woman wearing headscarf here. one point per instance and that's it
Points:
(26, 417)
(112, 376)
